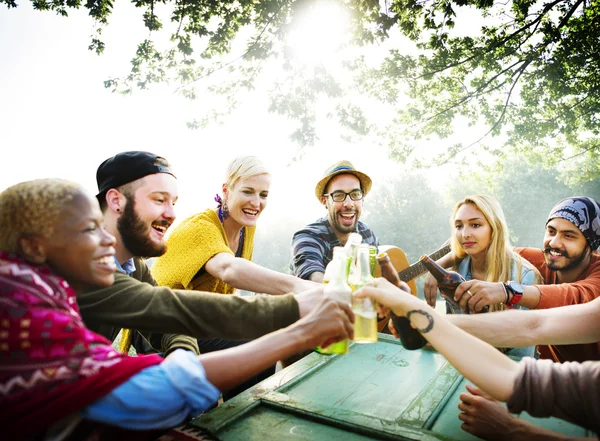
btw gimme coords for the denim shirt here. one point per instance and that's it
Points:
(157, 397)
(128, 266)
(527, 278)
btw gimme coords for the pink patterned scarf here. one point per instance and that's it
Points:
(51, 365)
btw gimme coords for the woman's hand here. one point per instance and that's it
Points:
(479, 294)
(329, 322)
(430, 290)
(399, 300)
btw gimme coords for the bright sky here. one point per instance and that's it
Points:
(58, 120)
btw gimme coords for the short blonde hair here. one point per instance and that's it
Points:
(244, 167)
(32, 207)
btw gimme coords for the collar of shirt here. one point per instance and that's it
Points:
(128, 266)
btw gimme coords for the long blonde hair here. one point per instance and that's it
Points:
(500, 256)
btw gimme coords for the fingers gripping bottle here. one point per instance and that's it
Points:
(410, 338)
(337, 289)
(365, 309)
(448, 281)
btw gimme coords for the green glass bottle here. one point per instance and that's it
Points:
(373, 259)
(365, 310)
(337, 289)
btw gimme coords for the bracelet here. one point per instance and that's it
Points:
(505, 292)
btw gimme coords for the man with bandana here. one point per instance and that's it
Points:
(570, 265)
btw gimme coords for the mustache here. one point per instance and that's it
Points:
(548, 248)
(162, 223)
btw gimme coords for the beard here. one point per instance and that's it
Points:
(135, 234)
(572, 262)
(345, 229)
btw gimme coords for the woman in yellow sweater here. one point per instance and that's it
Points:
(212, 250)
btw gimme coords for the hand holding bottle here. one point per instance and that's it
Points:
(387, 295)
(476, 295)
(399, 326)
(329, 322)
(430, 290)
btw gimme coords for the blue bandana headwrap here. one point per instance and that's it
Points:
(584, 213)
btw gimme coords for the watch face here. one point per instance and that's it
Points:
(516, 288)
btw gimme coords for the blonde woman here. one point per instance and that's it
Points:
(212, 250)
(481, 250)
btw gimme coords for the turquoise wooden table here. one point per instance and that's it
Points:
(377, 391)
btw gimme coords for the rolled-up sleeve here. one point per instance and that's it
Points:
(570, 391)
(160, 396)
(308, 253)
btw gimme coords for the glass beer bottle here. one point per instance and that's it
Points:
(410, 338)
(448, 281)
(337, 289)
(365, 310)
(373, 259)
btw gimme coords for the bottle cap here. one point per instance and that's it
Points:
(383, 256)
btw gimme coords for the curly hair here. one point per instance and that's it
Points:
(32, 207)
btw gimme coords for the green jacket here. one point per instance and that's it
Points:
(134, 302)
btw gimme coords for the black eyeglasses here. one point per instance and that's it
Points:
(340, 196)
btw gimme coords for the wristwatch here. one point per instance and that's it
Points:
(517, 292)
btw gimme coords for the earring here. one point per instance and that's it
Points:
(118, 210)
(225, 210)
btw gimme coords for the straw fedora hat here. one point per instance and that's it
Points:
(340, 168)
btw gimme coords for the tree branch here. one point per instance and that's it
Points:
(520, 71)
(538, 19)
(252, 46)
(584, 151)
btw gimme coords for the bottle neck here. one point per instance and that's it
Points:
(340, 276)
(436, 270)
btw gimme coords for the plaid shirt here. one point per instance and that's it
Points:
(312, 246)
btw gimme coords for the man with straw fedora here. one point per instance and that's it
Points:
(341, 191)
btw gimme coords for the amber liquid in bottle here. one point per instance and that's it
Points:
(448, 281)
(410, 338)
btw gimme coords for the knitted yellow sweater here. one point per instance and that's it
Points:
(191, 244)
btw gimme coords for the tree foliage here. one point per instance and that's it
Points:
(528, 71)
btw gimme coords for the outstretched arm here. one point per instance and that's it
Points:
(479, 362)
(573, 324)
(188, 385)
(244, 274)
(329, 322)
(490, 420)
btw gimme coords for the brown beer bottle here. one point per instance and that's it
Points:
(410, 338)
(448, 281)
